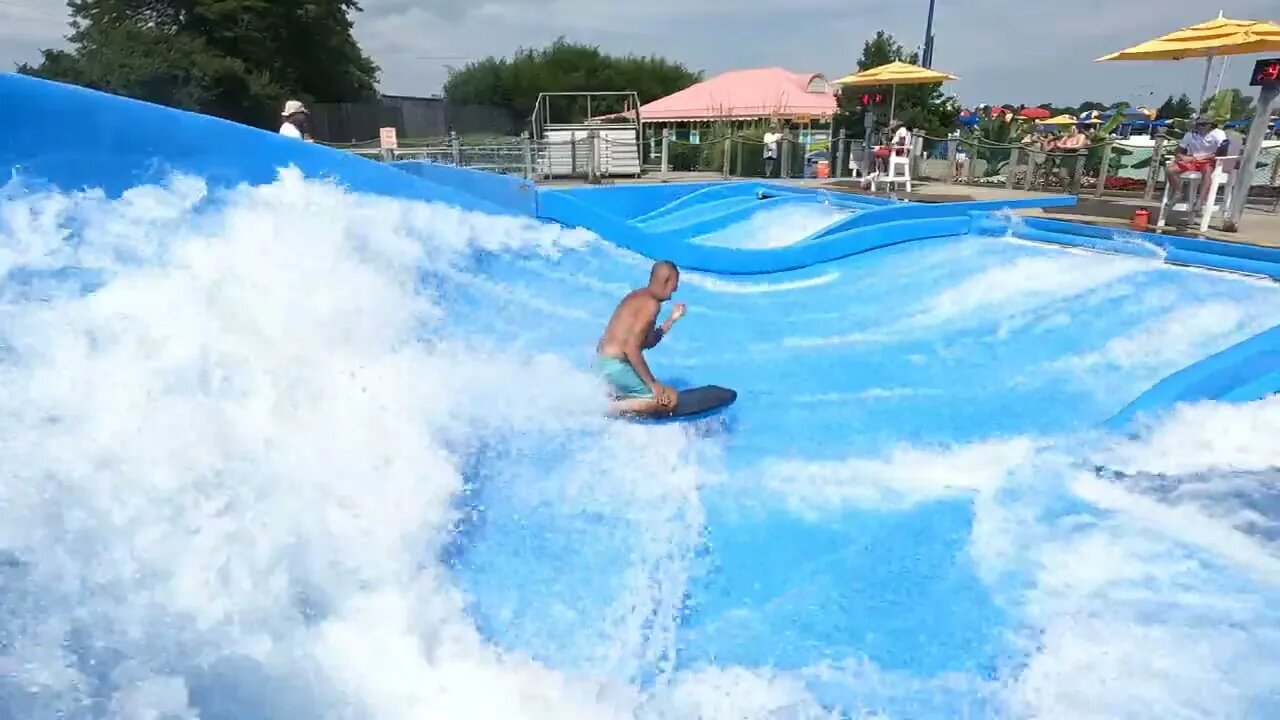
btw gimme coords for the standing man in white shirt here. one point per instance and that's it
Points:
(771, 139)
(1197, 152)
(295, 116)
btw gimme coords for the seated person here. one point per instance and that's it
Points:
(1196, 152)
(899, 142)
(620, 356)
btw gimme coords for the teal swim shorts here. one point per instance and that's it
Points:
(622, 378)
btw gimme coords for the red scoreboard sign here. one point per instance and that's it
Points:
(1266, 72)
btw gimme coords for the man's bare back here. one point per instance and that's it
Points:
(631, 331)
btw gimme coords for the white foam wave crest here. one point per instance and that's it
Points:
(775, 227)
(1165, 341)
(904, 477)
(1028, 283)
(722, 285)
(228, 471)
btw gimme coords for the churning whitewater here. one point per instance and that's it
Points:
(293, 452)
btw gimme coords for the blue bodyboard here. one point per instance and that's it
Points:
(692, 404)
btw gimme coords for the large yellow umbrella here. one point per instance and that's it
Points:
(1218, 37)
(895, 74)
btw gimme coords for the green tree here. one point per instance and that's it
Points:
(237, 59)
(923, 107)
(1167, 109)
(1228, 104)
(1182, 107)
(514, 83)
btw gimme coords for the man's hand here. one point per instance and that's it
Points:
(664, 394)
(677, 311)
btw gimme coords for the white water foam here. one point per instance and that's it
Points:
(1167, 340)
(721, 285)
(228, 470)
(226, 475)
(775, 227)
(1133, 601)
(1027, 283)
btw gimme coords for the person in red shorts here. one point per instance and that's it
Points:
(1196, 153)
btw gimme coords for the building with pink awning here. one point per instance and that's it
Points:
(759, 94)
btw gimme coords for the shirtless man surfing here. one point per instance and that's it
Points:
(631, 330)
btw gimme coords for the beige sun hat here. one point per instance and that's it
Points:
(293, 106)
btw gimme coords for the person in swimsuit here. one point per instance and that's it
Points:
(631, 331)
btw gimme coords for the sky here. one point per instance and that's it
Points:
(1005, 51)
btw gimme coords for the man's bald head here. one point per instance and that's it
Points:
(664, 278)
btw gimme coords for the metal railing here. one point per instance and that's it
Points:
(1107, 166)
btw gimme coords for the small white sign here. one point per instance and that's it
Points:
(387, 138)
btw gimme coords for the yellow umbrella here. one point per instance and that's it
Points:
(1059, 120)
(893, 75)
(1220, 36)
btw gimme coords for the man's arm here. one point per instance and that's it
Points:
(636, 339)
(655, 335)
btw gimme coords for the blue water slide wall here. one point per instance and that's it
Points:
(75, 138)
(516, 195)
(1246, 371)
(878, 225)
(1200, 252)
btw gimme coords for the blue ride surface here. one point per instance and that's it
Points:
(876, 531)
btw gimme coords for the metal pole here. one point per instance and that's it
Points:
(1249, 159)
(1204, 85)
(927, 59)
(666, 146)
(527, 144)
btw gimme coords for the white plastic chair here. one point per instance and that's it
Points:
(899, 168)
(1189, 191)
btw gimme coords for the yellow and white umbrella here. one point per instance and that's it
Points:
(894, 74)
(1059, 120)
(1218, 37)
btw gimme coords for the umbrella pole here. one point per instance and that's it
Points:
(1204, 86)
(893, 100)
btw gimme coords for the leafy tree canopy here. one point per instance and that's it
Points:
(514, 83)
(238, 59)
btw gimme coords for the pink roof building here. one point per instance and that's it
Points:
(746, 95)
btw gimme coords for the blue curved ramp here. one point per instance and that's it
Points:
(366, 473)
(1247, 371)
(89, 139)
(666, 233)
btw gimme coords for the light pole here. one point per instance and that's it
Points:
(927, 59)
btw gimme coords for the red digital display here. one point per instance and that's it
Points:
(871, 98)
(1266, 72)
